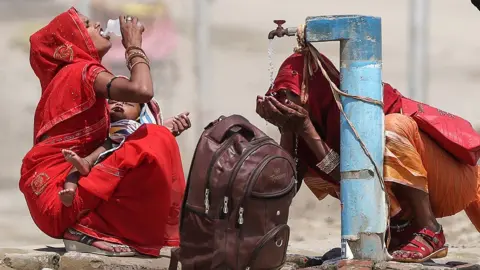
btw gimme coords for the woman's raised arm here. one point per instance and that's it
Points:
(139, 88)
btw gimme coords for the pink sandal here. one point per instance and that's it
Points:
(431, 245)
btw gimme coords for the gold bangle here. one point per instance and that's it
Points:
(136, 54)
(131, 62)
(134, 48)
(128, 55)
(139, 62)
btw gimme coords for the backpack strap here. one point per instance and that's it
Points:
(174, 258)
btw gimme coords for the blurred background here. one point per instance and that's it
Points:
(210, 58)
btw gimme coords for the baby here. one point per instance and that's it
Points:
(125, 119)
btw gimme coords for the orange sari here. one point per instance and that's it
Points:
(413, 159)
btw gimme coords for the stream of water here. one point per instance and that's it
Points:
(270, 62)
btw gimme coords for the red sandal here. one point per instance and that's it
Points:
(401, 234)
(431, 245)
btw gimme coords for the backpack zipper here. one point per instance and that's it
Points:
(251, 183)
(255, 173)
(222, 149)
(238, 166)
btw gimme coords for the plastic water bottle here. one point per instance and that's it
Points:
(113, 27)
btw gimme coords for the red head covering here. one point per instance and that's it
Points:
(65, 60)
(320, 98)
(323, 108)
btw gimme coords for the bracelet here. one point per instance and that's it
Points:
(109, 85)
(134, 48)
(329, 162)
(132, 56)
(135, 54)
(132, 62)
(131, 65)
(137, 50)
(139, 62)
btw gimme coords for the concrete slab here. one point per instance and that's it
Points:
(55, 258)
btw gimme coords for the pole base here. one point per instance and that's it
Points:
(368, 246)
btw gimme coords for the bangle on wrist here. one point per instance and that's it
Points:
(329, 162)
(136, 54)
(129, 48)
(139, 62)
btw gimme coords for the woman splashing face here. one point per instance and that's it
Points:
(419, 175)
(129, 203)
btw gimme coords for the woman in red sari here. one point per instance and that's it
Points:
(129, 202)
(423, 182)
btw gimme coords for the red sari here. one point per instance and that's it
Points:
(133, 197)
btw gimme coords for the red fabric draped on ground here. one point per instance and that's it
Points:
(133, 197)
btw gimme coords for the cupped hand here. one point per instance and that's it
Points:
(287, 116)
(178, 124)
(131, 31)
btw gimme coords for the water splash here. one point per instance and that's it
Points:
(270, 62)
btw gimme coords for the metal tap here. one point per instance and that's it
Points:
(280, 31)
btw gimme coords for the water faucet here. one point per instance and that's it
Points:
(280, 31)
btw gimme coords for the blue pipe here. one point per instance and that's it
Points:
(364, 207)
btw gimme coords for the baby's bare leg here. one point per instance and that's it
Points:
(84, 165)
(69, 188)
(81, 164)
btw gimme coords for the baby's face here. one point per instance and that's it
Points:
(123, 110)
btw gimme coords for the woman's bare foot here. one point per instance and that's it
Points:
(66, 196)
(81, 164)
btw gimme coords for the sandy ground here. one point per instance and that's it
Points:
(238, 73)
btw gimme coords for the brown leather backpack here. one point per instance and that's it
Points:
(239, 190)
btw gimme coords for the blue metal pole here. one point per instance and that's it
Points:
(364, 207)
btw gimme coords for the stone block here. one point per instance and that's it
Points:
(468, 267)
(4, 251)
(31, 260)
(397, 266)
(83, 261)
(290, 266)
(4, 267)
(355, 265)
(297, 259)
